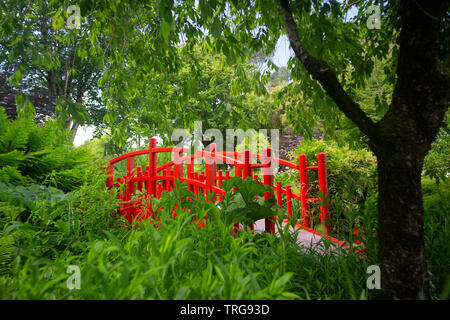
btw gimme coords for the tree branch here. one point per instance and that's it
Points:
(322, 72)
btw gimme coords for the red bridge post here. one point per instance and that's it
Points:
(268, 180)
(279, 197)
(247, 172)
(130, 174)
(237, 170)
(152, 167)
(323, 186)
(210, 169)
(302, 163)
(289, 201)
(190, 171)
(178, 164)
(139, 175)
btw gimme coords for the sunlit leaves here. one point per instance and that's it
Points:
(57, 20)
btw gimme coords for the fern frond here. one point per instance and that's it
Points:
(12, 158)
(7, 252)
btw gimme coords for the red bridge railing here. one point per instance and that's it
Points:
(154, 179)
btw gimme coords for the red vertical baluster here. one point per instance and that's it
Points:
(173, 179)
(202, 179)
(279, 193)
(207, 173)
(219, 183)
(323, 186)
(190, 170)
(119, 195)
(139, 189)
(247, 170)
(210, 169)
(152, 167)
(178, 164)
(268, 180)
(213, 181)
(139, 175)
(166, 182)
(289, 201)
(237, 170)
(196, 186)
(237, 173)
(220, 178)
(302, 163)
(127, 198)
(227, 175)
(147, 181)
(130, 174)
(171, 173)
(190, 186)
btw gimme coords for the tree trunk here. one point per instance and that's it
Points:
(401, 227)
(404, 137)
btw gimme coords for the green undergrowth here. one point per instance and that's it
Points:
(177, 260)
(436, 201)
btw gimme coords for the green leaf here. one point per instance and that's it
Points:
(58, 21)
(165, 31)
(216, 28)
(16, 77)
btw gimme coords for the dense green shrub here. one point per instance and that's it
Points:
(351, 182)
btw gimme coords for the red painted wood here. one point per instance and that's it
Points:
(268, 180)
(196, 186)
(210, 169)
(247, 170)
(302, 165)
(210, 180)
(152, 166)
(323, 186)
(289, 201)
(139, 175)
(279, 198)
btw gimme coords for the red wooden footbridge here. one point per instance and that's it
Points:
(155, 178)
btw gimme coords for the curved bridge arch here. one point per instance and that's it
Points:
(154, 179)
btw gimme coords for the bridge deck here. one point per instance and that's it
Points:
(306, 238)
